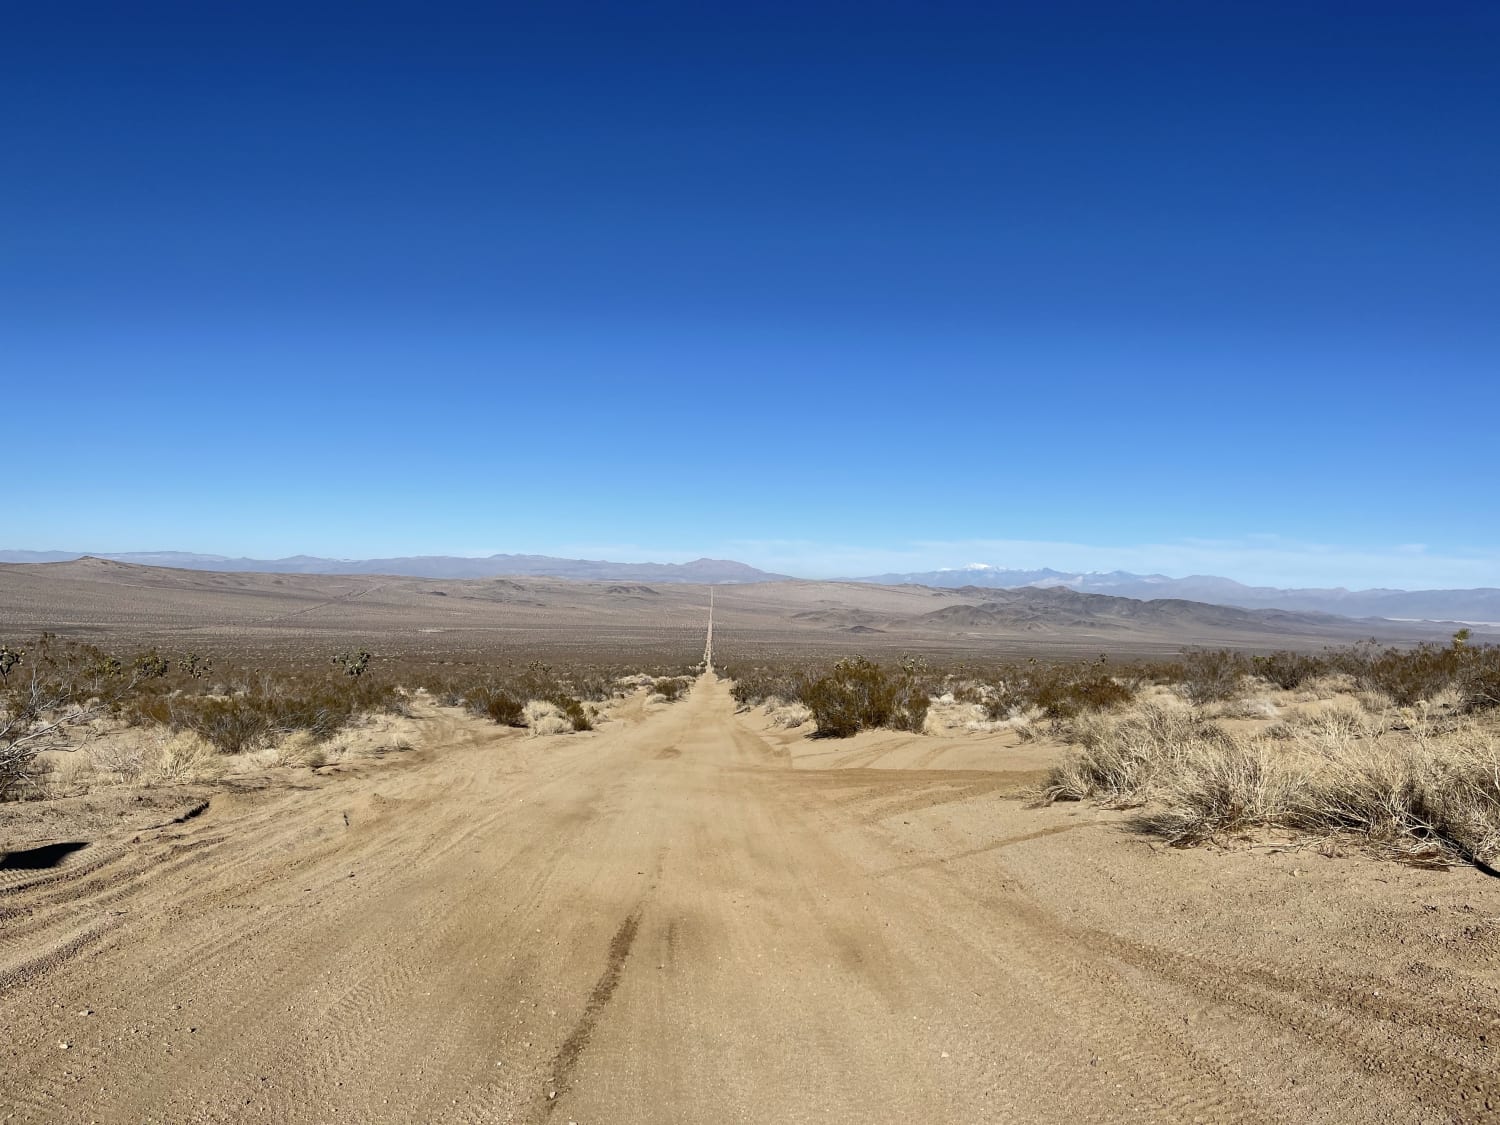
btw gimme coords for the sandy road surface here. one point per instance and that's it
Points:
(666, 922)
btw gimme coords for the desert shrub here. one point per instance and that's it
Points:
(753, 685)
(1479, 678)
(1409, 795)
(972, 691)
(185, 757)
(857, 694)
(497, 705)
(544, 717)
(787, 715)
(541, 681)
(1222, 787)
(1427, 672)
(1428, 790)
(352, 663)
(671, 688)
(268, 705)
(854, 695)
(52, 703)
(1254, 707)
(997, 707)
(1062, 697)
(1213, 675)
(499, 692)
(575, 712)
(230, 725)
(148, 709)
(1288, 670)
(1410, 675)
(119, 759)
(595, 688)
(1121, 761)
(1059, 691)
(1329, 731)
(195, 666)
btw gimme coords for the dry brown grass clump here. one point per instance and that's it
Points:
(788, 716)
(183, 756)
(545, 717)
(1124, 761)
(1405, 783)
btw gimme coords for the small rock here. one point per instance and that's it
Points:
(64, 1045)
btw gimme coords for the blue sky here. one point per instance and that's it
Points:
(830, 288)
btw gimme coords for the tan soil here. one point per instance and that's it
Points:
(665, 921)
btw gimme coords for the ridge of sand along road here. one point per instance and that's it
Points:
(659, 922)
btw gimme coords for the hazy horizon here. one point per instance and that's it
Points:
(803, 560)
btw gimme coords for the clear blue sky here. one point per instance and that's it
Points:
(825, 287)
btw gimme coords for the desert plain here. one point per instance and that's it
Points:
(696, 911)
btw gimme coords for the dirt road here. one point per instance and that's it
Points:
(666, 922)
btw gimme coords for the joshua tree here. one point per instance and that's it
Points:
(353, 663)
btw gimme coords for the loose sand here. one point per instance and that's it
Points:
(690, 916)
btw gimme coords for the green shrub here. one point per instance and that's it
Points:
(1479, 678)
(230, 725)
(1423, 673)
(500, 707)
(1062, 697)
(1061, 691)
(1411, 675)
(1288, 670)
(574, 711)
(752, 686)
(671, 688)
(858, 694)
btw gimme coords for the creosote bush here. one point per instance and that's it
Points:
(1213, 676)
(59, 695)
(1288, 670)
(502, 695)
(755, 684)
(857, 694)
(671, 688)
(500, 707)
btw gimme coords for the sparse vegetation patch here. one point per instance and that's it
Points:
(1413, 770)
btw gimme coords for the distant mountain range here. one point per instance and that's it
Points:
(1477, 605)
(92, 596)
(1480, 605)
(701, 571)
